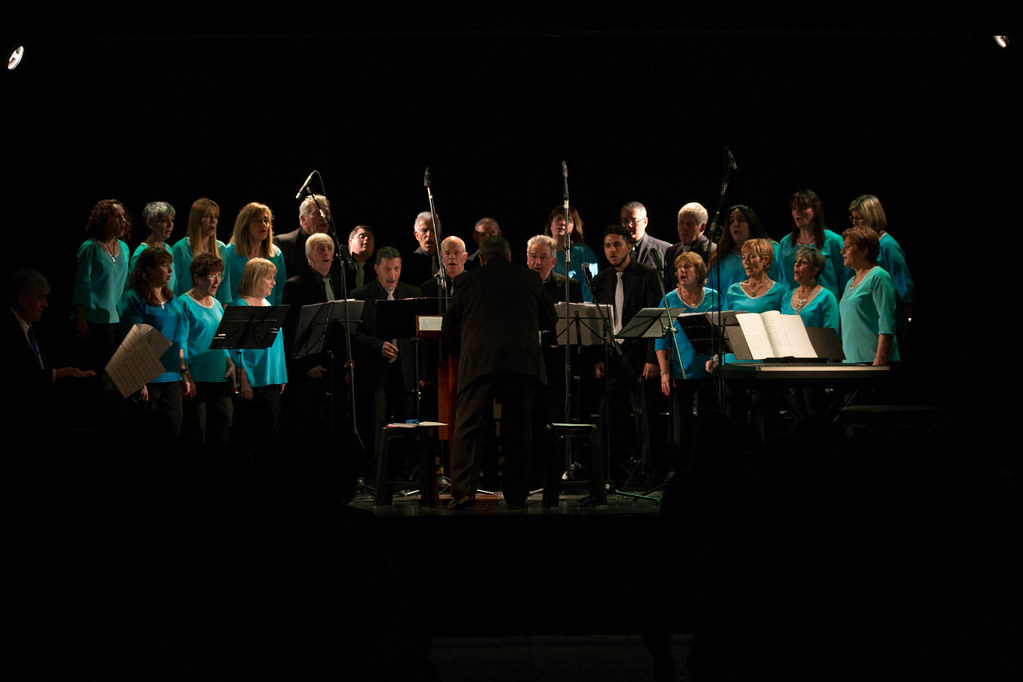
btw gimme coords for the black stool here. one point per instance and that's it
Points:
(552, 473)
(385, 487)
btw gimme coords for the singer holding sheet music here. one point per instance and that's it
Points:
(868, 305)
(692, 297)
(149, 300)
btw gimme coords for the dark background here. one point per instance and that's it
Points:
(640, 110)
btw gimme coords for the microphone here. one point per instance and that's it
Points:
(305, 185)
(657, 259)
(731, 159)
(587, 276)
(426, 177)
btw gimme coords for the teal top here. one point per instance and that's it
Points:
(695, 365)
(100, 281)
(166, 319)
(234, 264)
(867, 310)
(174, 265)
(736, 299)
(264, 366)
(834, 276)
(722, 275)
(893, 259)
(819, 311)
(201, 325)
(580, 254)
(183, 257)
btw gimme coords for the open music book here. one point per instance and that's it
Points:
(772, 335)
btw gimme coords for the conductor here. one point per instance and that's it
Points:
(493, 325)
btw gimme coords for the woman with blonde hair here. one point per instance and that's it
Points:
(866, 211)
(253, 237)
(261, 372)
(200, 237)
(758, 292)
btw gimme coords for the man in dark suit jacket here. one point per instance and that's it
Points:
(421, 264)
(386, 373)
(313, 213)
(646, 248)
(361, 245)
(692, 221)
(308, 399)
(33, 377)
(625, 374)
(493, 324)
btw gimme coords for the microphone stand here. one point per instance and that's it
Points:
(341, 255)
(715, 231)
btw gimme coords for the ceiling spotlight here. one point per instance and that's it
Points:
(1003, 41)
(15, 58)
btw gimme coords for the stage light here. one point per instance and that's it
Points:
(15, 58)
(1003, 41)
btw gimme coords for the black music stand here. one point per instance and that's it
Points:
(315, 322)
(248, 326)
(578, 324)
(704, 331)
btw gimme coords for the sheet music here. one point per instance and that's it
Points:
(773, 335)
(137, 360)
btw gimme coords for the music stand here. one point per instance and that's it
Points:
(247, 326)
(397, 320)
(315, 320)
(704, 331)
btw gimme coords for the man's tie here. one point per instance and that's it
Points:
(619, 302)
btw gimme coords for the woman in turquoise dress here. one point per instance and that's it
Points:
(758, 292)
(149, 300)
(868, 306)
(726, 266)
(253, 237)
(810, 228)
(684, 377)
(200, 237)
(809, 299)
(261, 372)
(159, 219)
(101, 273)
(560, 230)
(208, 412)
(866, 211)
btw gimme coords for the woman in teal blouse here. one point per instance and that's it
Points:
(149, 300)
(208, 413)
(809, 299)
(200, 237)
(868, 306)
(253, 237)
(158, 217)
(101, 273)
(810, 228)
(261, 372)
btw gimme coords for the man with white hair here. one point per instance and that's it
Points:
(313, 215)
(421, 264)
(692, 221)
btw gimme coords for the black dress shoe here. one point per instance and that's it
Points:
(462, 503)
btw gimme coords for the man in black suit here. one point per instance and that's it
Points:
(493, 324)
(692, 221)
(453, 258)
(386, 371)
(361, 245)
(34, 379)
(421, 264)
(485, 227)
(313, 217)
(646, 248)
(628, 286)
(315, 377)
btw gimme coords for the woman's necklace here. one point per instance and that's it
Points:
(751, 287)
(800, 301)
(694, 298)
(113, 249)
